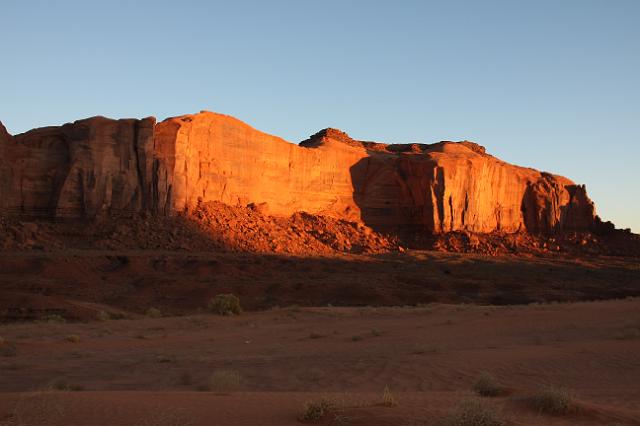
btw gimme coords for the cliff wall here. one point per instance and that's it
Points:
(98, 165)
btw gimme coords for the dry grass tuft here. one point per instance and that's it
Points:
(487, 385)
(552, 400)
(53, 319)
(224, 381)
(62, 385)
(473, 412)
(165, 359)
(153, 313)
(314, 411)
(73, 338)
(388, 400)
(103, 316)
(225, 304)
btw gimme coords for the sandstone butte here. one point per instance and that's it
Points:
(98, 166)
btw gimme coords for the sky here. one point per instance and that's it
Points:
(553, 85)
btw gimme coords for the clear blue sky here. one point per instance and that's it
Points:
(550, 84)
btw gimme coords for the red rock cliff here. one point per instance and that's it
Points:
(95, 165)
(79, 169)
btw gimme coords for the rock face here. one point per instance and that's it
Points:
(219, 158)
(452, 186)
(79, 169)
(99, 165)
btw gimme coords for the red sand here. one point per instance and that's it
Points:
(128, 371)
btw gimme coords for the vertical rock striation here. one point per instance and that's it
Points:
(79, 170)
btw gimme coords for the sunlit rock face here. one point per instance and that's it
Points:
(98, 165)
(217, 157)
(453, 186)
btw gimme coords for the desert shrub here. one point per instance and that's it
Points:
(54, 318)
(153, 313)
(225, 304)
(341, 420)
(388, 399)
(552, 400)
(316, 336)
(224, 380)
(487, 385)
(103, 316)
(473, 412)
(106, 316)
(59, 384)
(356, 338)
(163, 359)
(314, 411)
(73, 338)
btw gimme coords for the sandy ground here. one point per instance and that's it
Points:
(259, 368)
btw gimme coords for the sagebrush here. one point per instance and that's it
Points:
(225, 304)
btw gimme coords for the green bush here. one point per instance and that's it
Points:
(225, 304)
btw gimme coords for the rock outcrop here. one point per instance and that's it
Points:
(79, 169)
(99, 165)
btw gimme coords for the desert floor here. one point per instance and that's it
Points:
(260, 368)
(79, 284)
